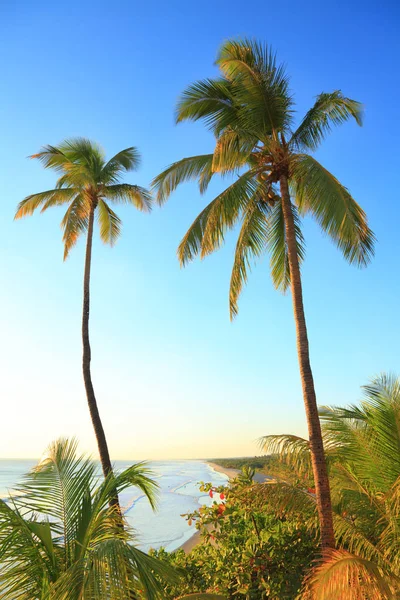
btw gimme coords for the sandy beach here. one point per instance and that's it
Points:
(231, 473)
(196, 537)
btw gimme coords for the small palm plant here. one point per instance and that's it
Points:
(363, 453)
(87, 184)
(60, 539)
(249, 109)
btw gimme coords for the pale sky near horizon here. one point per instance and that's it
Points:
(173, 377)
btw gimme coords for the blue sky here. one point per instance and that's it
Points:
(174, 378)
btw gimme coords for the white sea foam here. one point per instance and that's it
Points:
(179, 494)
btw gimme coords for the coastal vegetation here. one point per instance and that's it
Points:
(250, 110)
(60, 539)
(260, 541)
(255, 462)
(247, 551)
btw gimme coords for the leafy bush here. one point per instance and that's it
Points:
(246, 552)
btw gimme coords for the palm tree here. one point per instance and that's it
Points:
(249, 108)
(86, 184)
(60, 539)
(362, 444)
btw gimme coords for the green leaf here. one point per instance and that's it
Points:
(187, 169)
(251, 244)
(329, 109)
(110, 223)
(206, 233)
(277, 245)
(319, 193)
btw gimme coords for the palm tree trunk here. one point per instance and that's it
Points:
(320, 471)
(91, 398)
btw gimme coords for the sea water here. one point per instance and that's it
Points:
(179, 493)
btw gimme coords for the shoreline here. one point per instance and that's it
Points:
(195, 539)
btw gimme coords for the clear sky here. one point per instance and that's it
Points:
(174, 378)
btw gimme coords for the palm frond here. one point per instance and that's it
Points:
(291, 449)
(78, 159)
(60, 539)
(232, 151)
(123, 161)
(318, 192)
(187, 169)
(137, 475)
(261, 87)
(109, 222)
(74, 223)
(55, 487)
(210, 100)
(329, 109)
(46, 199)
(368, 435)
(251, 244)
(125, 193)
(26, 567)
(206, 234)
(277, 245)
(351, 577)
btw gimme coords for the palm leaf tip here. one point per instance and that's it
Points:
(187, 169)
(319, 193)
(330, 109)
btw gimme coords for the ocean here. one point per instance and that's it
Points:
(179, 493)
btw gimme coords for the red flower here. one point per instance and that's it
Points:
(222, 496)
(210, 493)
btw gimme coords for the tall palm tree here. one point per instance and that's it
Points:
(86, 184)
(60, 539)
(362, 445)
(249, 108)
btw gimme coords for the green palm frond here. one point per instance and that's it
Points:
(318, 192)
(56, 486)
(329, 109)
(232, 151)
(277, 245)
(124, 161)
(251, 244)
(24, 555)
(369, 435)
(53, 157)
(211, 100)
(291, 449)
(46, 199)
(206, 233)
(138, 475)
(125, 193)
(74, 223)
(187, 169)
(60, 539)
(261, 87)
(109, 222)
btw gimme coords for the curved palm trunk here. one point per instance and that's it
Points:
(91, 398)
(322, 489)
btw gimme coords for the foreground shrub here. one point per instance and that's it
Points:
(60, 539)
(245, 552)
